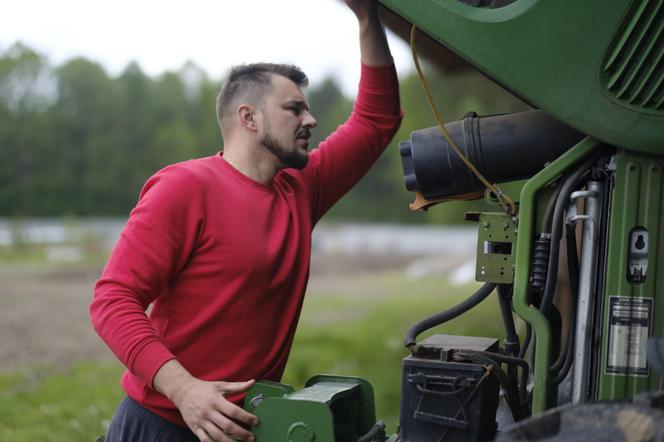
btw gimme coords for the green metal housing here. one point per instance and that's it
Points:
(328, 409)
(637, 202)
(522, 307)
(596, 66)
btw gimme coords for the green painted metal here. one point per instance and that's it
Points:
(328, 409)
(265, 389)
(367, 409)
(580, 61)
(283, 420)
(637, 202)
(496, 238)
(526, 230)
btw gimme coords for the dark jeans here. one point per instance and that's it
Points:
(133, 423)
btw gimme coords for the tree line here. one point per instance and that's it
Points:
(76, 141)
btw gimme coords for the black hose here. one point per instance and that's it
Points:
(548, 211)
(511, 337)
(377, 430)
(442, 317)
(562, 365)
(526, 341)
(562, 202)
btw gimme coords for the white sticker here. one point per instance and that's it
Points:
(629, 324)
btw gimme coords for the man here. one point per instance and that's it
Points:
(220, 247)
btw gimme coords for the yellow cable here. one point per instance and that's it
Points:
(505, 201)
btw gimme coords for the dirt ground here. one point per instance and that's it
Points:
(44, 317)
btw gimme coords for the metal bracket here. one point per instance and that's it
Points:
(496, 248)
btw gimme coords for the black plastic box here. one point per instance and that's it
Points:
(444, 400)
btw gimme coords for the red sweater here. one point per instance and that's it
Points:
(224, 260)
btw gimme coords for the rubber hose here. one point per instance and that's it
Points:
(442, 317)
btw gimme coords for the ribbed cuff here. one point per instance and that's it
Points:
(149, 360)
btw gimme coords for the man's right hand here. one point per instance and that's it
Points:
(205, 410)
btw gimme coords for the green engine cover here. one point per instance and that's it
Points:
(598, 66)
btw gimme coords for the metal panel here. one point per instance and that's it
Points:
(634, 307)
(553, 54)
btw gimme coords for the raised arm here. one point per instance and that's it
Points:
(347, 154)
(374, 49)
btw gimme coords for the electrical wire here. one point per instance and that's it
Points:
(505, 201)
(512, 395)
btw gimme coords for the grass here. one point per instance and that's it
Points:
(357, 331)
(44, 405)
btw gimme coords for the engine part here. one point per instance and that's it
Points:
(328, 409)
(587, 283)
(491, 143)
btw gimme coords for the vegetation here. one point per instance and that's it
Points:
(354, 333)
(75, 141)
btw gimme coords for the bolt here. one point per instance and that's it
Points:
(256, 400)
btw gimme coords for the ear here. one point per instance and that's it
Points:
(246, 115)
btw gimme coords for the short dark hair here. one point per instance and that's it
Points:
(250, 83)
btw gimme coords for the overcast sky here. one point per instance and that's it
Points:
(318, 35)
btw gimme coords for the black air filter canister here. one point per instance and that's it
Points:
(503, 148)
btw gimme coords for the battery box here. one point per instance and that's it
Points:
(446, 400)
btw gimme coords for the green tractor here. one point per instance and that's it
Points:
(592, 153)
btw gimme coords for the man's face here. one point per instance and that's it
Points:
(286, 123)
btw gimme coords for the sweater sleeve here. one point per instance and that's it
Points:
(348, 153)
(154, 246)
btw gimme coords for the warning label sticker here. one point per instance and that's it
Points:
(629, 324)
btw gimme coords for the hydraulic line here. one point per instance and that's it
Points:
(442, 317)
(526, 341)
(548, 211)
(561, 367)
(567, 188)
(511, 337)
(587, 298)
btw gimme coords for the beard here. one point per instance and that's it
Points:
(294, 157)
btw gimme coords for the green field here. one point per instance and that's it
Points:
(357, 331)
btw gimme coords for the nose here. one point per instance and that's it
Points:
(309, 121)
